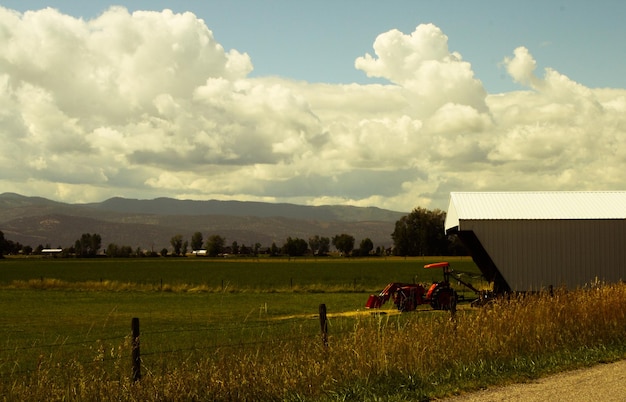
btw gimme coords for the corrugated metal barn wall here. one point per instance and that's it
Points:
(534, 254)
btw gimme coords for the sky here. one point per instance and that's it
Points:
(389, 104)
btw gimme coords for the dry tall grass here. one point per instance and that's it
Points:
(410, 357)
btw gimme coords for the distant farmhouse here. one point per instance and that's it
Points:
(51, 251)
(529, 241)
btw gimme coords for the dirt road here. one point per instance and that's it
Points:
(603, 382)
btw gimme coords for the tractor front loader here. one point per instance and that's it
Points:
(407, 296)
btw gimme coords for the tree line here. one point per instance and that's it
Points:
(420, 233)
(216, 245)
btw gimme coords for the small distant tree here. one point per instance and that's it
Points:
(8, 246)
(314, 244)
(274, 250)
(196, 241)
(324, 248)
(126, 251)
(111, 250)
(319, 245)
(3, 245)
(163, 252)
(95, 244)
(295, 247)
(366, 247)
(234, 247)
(177, 243)
(215, 245)
(185, 247)
(344, 243)
(244, 250)
(88, 245)
(67, 252)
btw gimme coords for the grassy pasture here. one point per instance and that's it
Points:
(74, 324)
(66, 306)
(263, 274)
(65, 323)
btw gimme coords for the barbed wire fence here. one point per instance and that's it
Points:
(19, 361)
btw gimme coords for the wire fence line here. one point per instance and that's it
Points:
(195, 328)
(23, 360)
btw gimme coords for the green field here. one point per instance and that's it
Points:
(249, 330)
(265, 274)
(75, 301)
(81, 309)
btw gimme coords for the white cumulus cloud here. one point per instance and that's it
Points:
(149, 104)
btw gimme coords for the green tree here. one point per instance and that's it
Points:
(295, 247)
(344, 243)
(88, 245)
(215, 245)
(319, 245)
(421, 233)
(112, 250)
(177, 243)
(314, 244)
(274, 250)
(196, 241)
(324, 246)
(185, 247)
(366, 247)
(3, 245)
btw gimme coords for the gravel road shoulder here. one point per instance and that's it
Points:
(603, 382)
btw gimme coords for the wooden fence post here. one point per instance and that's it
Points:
(136, 355)
(324, 324)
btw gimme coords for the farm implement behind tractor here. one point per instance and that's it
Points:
(407, 296)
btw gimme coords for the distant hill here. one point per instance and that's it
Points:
(170, 206)
(150, 224)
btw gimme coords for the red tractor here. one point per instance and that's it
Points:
(407, 296)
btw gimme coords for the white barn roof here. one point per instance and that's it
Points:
(535, 205)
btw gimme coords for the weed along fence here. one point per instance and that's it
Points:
(136, 349)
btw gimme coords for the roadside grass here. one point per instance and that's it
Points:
(60, 343)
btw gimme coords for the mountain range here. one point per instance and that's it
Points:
(150, 224)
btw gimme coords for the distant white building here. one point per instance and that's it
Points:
(51, 250)
(528, 241)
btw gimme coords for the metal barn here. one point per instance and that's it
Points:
(528, 241)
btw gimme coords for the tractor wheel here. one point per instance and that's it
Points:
(406, 304)
(444, 298)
